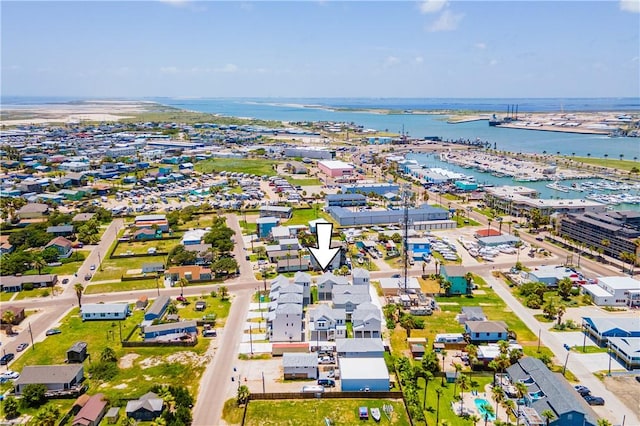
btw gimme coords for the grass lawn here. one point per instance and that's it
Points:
(5, 297)
(299, 412)
(215, 305)
(141, 247)
(240, 165)
(303, 216)
(170, 365)
(63, 406)
(248, 228)
(446, 412)
(68, 268)
(460, 221)
(114, 269)
(36, 292)
(613, 162)
(303, 182)
(588, 349)
(122, 286)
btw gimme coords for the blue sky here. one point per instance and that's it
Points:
(321, 49)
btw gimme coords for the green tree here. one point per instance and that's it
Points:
(79, 288)
(428, 376)
(48, 416)
(223, 291)
(10, 408)
(33, 395)
(488, 412)
(498, 395)
(172, 309)
(564, 288)
(108, 355)
(560, 311)
(8, 317)
(430, 362)
(224, 265)
(439, 392)
(408, 322)
(604, 422)
(243, 394)
(465, 384)
(548, 416)
(38, 261)
(550, 309)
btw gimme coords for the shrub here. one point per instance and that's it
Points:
(33, 395)
(103, 371)
(27, 286)
(533, 301)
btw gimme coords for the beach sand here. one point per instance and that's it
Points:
(72, 112)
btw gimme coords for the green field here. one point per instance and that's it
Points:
(114, 269)
(68, 268)
(313, 412)
(613, 162)
(241, 165)
(215, 305)
(141, 247)
(5, 297)
(123, 286)
(303, 216)
(303, 181)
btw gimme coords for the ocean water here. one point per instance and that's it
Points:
(515, 140)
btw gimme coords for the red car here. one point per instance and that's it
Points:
(182, 299)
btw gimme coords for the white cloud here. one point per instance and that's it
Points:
(169, 70)
(630, 6)
(419, 59)
(227, 68)
(448, 21)
(391, 61)
(432, 6)
(481, 46)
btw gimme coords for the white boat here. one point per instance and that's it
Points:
(375, 413)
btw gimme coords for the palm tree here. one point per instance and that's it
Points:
(48, 416)
(488, 412)
(38, 263)
(606, 243)
(465, 383)
(548, 414)
(224, 292)
(444, 355)
(630, 258)
(497, 396)
(108, 355)
(509, 406)
(172, 309)
(243, 395)
(408, 322)
(521, 391)
(428, 376)
(79, 288)
(604, 422)
(560, 311)
(439, 392)
(8, 318)
(474, 419)
(182, 282)
(458, 368)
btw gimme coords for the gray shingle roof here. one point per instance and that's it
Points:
(177, 326)
(158, 305)
(359, 345)
(149, 401)
(299, 360)
(48, 374)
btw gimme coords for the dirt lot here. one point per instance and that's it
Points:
(627, 389)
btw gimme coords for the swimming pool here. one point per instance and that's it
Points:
(480, 403)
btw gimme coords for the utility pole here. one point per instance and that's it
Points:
(33, 346)
(405, 203)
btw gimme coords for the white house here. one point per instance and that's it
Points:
(304, 279)
(348, 297)
(367, 321)
(359, 348)
(300, 366)
(363, 374)
(285, 323)
(360, 276)
(614, 291)
(326, 283)
(104, 311)
(327, 324)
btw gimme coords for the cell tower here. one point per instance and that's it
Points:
(406, 199)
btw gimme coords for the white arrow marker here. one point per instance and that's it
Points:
(324, 254)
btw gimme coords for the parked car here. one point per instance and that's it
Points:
(594, 400)
(582, 390)
(10, 375)
(92, 267)
(327, 382)
(182, 299)
(21, 347)
(65, 281)
(6, 358)
(52, 331)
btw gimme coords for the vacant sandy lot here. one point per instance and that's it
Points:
(627, 389)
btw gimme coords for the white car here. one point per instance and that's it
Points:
(10, 375)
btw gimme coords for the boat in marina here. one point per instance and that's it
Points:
(558, 187)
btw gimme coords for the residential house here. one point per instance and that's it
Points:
(152, 267)
(62, 246)
(300, 366)
(419, 247)
(285, 323)
(143, 234)
(112, 416)
(550, 274)
(32, 211)
(5, 246)
(280, 232)
(366, 320)
(549, 391)
(92, 412)
(326, 323)
(626, 350)
(337, 261)
(486, 331)
(360, 276)
(145, 409)
(83, 217)
(601, 329)
(348, 297)
(276, 211)
(189, 272)
(54, 377)
(142, 302)
(18, 314)
(265, 225)
(77, 353)
(614, 291)
(360, 348)
(326, 282)
(456, 276)
(203, 252)
(12, 283)
(396, 286)
(471, 313)
(170, 331)
(60, 230)
(304, 279)
(193, 237)
(104, 311)
(157, 309)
